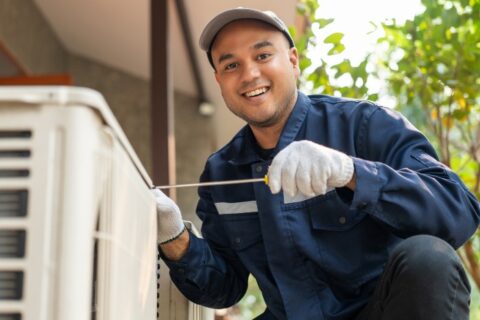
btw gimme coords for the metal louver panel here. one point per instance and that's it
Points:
(13, 203)
(11, 285)
(10, 316)
(12, 244)
(9, 173)
(15, 134)
(14, 154)
(11, 152)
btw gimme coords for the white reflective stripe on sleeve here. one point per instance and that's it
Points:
(236, 207)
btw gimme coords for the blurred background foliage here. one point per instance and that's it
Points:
(430, 66)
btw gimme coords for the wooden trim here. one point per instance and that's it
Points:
(161, 88)
(57, 79)
(22, 70)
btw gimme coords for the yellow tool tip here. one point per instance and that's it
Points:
(265, 179)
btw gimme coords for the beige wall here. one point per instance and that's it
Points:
(127, 96)
(194, 143)
(27, 34)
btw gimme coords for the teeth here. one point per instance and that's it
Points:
(256, 92)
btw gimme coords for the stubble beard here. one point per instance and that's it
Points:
(282, 111)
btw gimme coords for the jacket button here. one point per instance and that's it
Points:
(259, 168)
(238, 240)
(342, 220)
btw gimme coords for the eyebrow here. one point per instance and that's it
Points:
(225, 56)
(262, 44)
(256, 46)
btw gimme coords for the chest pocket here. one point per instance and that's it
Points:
(328, 212)
(243, 230)
(334, 215)
(343, 243)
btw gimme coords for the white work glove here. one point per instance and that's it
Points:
(310, 168)
(169, 219)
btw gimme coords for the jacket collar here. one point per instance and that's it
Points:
(247, 153)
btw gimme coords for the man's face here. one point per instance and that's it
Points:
(256, 71)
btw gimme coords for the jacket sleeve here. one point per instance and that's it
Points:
(210, 273)
(401, 183)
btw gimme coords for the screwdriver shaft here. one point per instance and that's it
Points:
(213, 183)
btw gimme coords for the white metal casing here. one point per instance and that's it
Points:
(90, 224)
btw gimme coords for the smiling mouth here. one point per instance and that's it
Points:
(256, 92)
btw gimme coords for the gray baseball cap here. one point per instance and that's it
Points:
(222, 19)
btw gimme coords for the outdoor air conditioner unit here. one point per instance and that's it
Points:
(77, 220)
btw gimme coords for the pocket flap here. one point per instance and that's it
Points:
(334, 215)
(243, 232)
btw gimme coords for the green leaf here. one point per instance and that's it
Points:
(301, 8)
(305, 63)
(339, 48)
(342, 68)
(293, 31)
(324, 22)
(334, 38)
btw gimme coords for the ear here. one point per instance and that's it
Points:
(293, 57)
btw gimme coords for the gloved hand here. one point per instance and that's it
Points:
(169, 219)
(310, 168)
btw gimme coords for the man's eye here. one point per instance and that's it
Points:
(263, 56)
(231, 66)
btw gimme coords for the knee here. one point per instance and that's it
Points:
(427, 255)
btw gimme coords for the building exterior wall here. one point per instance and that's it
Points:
(194, 142)
(28, 35)
(127, 96)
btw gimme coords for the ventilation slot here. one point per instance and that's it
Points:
(23, 134)
(11, 285)
(13, 203)
(12, 244)
(14, 173)
(10, 316)
(14, 154)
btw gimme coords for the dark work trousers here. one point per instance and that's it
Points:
(423, 279)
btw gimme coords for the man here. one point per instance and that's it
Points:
(359, 219)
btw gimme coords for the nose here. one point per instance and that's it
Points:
(250, 72)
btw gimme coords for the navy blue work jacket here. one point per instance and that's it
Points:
(320, 258)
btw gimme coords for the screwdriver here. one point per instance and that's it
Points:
(214, 183)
